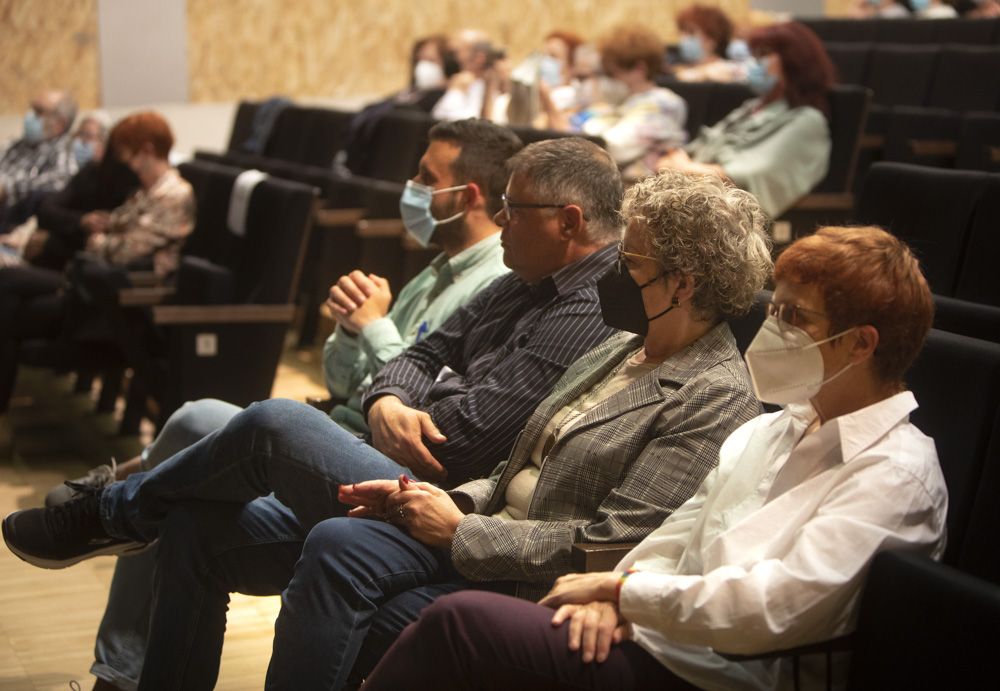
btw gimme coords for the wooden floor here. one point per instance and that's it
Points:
(48, 618)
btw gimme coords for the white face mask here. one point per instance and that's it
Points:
(427, 74)
(785, 363)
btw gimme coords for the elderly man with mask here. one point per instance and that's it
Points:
(448, 408)
(40, 161)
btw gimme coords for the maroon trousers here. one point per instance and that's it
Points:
(481, 640)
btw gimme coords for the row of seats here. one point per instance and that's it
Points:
(968, 31)
(219, 329)
(950, 219)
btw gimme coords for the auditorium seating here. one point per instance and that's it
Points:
(916, 31)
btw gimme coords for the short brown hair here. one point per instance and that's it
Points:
(628, 45)
(146, 127)
(711, 21)
(866, 276)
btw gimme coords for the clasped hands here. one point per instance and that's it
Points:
(426, 512)
(357, 299)
(588, 601)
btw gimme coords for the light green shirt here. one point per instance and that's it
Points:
(777, 153)
(349, 362)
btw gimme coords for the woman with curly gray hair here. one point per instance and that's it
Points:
(626, 435)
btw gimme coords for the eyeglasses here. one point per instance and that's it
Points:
(792, 314)
(622, 254)
(508, 205)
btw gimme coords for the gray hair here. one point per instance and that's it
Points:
(704, 227)
(65, 109)
(572, 170)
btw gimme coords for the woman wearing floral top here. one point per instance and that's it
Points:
(148, 230)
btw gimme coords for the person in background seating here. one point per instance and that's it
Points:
(776, 146)
(41, 160)
(705, 33)
(650, 118)
(145, 232)
(771, 552)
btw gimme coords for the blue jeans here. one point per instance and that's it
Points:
(216, 534)
(121, 639)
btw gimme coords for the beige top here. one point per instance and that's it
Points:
(151, 223)
(522, 486)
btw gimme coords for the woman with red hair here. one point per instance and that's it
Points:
(776, 146)
(705, 35)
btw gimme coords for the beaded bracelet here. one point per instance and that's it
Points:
(621, 582)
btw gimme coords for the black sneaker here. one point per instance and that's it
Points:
(60, 536)
(95, 479)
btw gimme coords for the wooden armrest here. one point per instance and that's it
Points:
(872, 141)
(145, 296)
(144, 279)
(222, 314)
(933, 147)
(380, 228)
(338, 217)
(833, 645)
(827, 201)
(324, 404)
(598, 556)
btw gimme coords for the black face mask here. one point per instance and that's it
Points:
(621, 301)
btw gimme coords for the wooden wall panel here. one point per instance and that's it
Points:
(343, 48)
(47, 43)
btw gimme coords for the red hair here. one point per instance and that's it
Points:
(711, 21)
(138, 129)
(866, 276)
(807, 69)
(572, 41)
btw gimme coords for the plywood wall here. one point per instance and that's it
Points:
(342, 48)
(47, 43)
(300, 48)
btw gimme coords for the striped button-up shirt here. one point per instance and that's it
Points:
(44, 166)
(482, 373)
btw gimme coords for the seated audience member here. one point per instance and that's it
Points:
(651, 118)
(626, 436)
(879, 9)
(932, 9)
(705, 36)
(464, 172)
(102, 183)
(147, 230)
(776, 146)
(466, 91)
(772, 550)
(983, 9)
(40, 161)
(476, 379)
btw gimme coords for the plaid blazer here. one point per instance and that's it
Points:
(618, 472)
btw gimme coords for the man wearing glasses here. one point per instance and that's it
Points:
(447, 409)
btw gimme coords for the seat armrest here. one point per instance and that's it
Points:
(380, 228)
(144, 296)
(832, 201)
(324, 404)
(598, 556)
(144, 279)
(833, 645)
(337, 217)
(222, 314)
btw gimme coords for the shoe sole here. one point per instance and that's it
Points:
(118, 549)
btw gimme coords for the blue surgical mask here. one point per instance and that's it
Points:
(920, 5)
(415, 210)
(34, 130)
(760, 81)
(690, 49)
(83, 152)
(738, 50)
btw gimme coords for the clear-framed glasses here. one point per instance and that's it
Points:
(622, 254)
(790, 314)
(509, 204)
